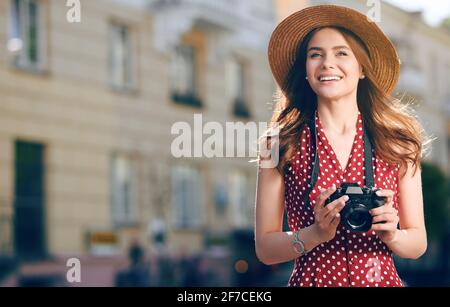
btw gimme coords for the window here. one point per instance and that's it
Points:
(238, 88)
(121, 60)
(240, 201)
(27, 40)
(183, 76)
(123, 190)
(186, 197)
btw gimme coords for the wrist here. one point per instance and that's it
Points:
(315, 235)
(298, 245)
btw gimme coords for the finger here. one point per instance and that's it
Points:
(336, 219)
(389, 207)
(319, 204)
(320, 201)
(335, 207)
(386, 193)
(386, 217)
(327, 213)
(384, 227)
(318, 215)
(328, 219)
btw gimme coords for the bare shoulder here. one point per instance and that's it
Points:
(410, 183)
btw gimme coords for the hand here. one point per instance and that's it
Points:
(387, 215)
(327, 218)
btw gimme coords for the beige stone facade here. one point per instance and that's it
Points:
(69, 105)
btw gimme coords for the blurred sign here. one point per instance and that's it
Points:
(103, 243)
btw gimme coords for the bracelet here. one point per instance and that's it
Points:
(298, 245)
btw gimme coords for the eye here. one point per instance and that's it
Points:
(314, 55)
(342, 53)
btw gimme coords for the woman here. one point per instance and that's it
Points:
(336, 70)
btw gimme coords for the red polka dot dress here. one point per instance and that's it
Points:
(350, 259)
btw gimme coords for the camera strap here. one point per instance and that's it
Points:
(368, 156)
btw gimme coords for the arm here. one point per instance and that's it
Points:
(272, 244)
(411, 240)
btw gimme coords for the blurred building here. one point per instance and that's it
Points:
(284, 8)
(87, 111)
(86, 115)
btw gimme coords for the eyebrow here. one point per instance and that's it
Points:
(334, 48)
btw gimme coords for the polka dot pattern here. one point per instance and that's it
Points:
(350, 259)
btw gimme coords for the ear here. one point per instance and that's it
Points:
(361, 72)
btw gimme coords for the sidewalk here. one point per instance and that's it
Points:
(95, 272)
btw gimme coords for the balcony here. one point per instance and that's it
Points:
(228, 7)
(227, 23)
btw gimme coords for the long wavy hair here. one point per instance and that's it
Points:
(392, 127)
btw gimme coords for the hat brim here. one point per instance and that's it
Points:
(291, 31)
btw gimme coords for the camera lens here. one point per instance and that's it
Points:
(358, 218)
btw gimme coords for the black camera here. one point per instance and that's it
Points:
(355, 216)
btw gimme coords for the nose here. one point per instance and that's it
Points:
(327, 63)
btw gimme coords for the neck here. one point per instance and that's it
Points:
(338, 116)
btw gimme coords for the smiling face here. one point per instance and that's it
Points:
(331, 66)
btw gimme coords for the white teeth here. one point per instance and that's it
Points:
(330, 78)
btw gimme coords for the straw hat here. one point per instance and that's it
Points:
(289, 34)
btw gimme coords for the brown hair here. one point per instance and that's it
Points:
(396, 135)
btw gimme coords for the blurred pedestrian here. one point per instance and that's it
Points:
(138, 272)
